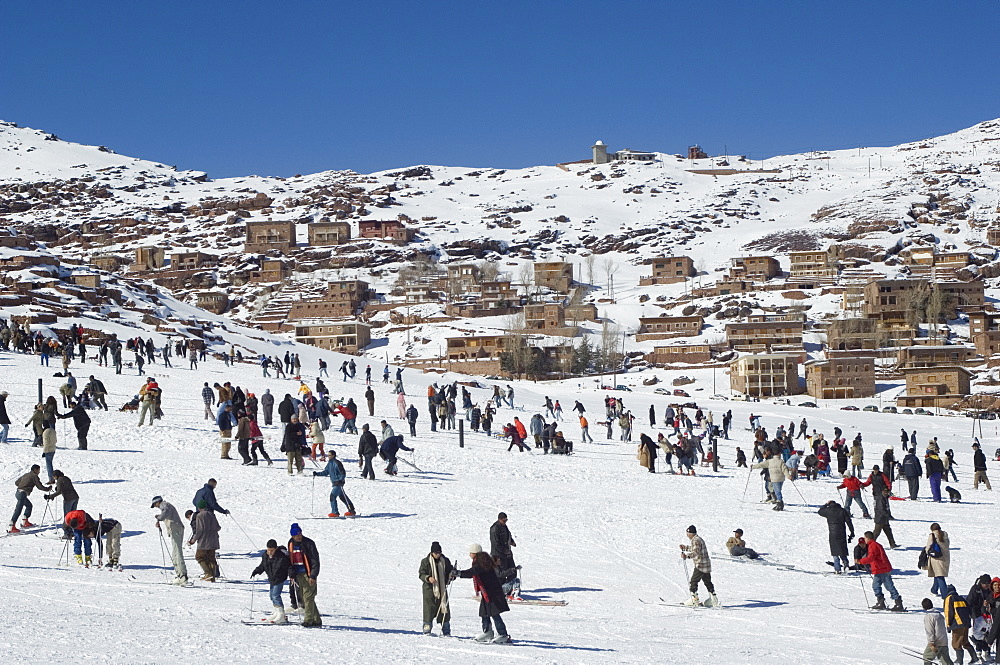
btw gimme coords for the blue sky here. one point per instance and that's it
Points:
(278, 88)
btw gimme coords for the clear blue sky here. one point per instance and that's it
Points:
(278, 88)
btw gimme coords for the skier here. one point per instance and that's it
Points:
(82, 526)
(698, 554)
(175, 532)
(304, 559)
(207, 493)
(390, 446)
(4, 418)
(64, 487)
(206, 532)
(937, 634)
(335, 471)
(25, 484)
(853, 487)
(838, 521)
(112, 530)
(437, 574)
(881, 573)
(501, 542)
(776, 471)
(274, 562)
(979, 467)
(492, 601)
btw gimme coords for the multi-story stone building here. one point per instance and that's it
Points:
(262, 237)
(669, 270)
(841, 377)
(765, 375)
(765, 336)
(340, 336)
(666, 327)
(329, 233)
(556, 275)
(754, 268)
(935, 386)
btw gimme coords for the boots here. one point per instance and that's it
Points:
(446, 629)
(278, 616)
(779, 506)
(880, 605)
(13, 528)
(427, 629)
(898, 607)
(712, 601)
(25, 524)
(180, 581)
(693, 601)
(487, 636)
(225, 450)
(79, 558)
(88, 560)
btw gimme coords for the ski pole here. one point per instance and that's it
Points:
(746, 486)
(252, 544)
(862, 580)
(163, 552)
(312, 498)
(65, 553)
(251, 601)
(799, 491)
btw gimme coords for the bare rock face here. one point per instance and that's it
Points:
(689, 310)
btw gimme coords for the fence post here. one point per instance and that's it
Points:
(39, 391)
(461, 433)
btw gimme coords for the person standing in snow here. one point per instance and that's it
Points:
(4, 418)
(367, 450)
(937, 634)
(304, 557)
(838, 521)
(938, 559)
(24, 485)
(208, 396)
(226, 420)
(370, 398)
(492, 602)
(979, 467)
(274, 563)
(292, 443)
(958, 618)
(912, 470)
(501, 542)
(881, 573)
(411, 419)
(776, 471)
(81, 420)
(64, 487)
(206, 534)
(853, 487)
(82, 526)
(207, 494)
(436, 573)
(388, 450)
(267, 404)
(334, 470)
(175, 533)
(698, 553)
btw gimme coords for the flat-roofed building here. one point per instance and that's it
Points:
(340, 336)
(765, 375)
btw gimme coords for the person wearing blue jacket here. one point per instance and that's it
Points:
(225, 419)
(207, 493)
(388, 450)
(335, 471)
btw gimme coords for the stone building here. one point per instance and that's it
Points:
(841, 377)
(342, 299)
(149, 258)
(754, 268)
(765, 375)
(548, 318)
(476, 346)
(213, 301)
(816, 263)
(271, 270)
(669, 270)
(666, 327)
(935, 386)
(392, 230)
(600, 155)
(191, 260)
(556, 275)
(329, 233)
(263, 237)
(107, 262)
(935, 356)
(463, 277)
(679, 353)
(765, 336)
(340, 336)
(987, 342)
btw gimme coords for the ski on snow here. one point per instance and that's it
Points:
(666, 603)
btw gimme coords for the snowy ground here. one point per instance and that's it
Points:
(594, 529)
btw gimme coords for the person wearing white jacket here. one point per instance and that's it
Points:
(776, 472)
(937, 634)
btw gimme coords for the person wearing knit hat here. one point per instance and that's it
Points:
(206, 534)
(175, 534)
(274, 562)
(436, 572)
(492, 601)
(698, 554)
(304, 570)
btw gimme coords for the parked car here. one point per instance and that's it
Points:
(811, 405)
(922, 412)
(618, 387)
(871, 408)
(889, 409)
(990, 415)
(680, 393)
(850, 407)
(907, 412)
(721, 398)
(662, 391)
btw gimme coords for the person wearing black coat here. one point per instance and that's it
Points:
(81, 420)
(838, 521)
(492, 601)
(882, 516)
(889, 464)
(979, 467)
(652, 416)
(292, 444)
(411, 418)
(912, 470)
(388, 450)
(978, 595)
(501, 542)
(650, 446)
(367, 450)
(274, 563)
(286, 409)
(304, 556)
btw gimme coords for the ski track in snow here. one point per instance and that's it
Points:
(594, 529)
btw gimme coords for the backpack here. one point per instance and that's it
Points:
(934, 551)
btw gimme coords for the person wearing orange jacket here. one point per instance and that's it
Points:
(881, 573)
(585, 430)
(519, 426)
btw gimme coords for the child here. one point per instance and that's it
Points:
(741, 458)
(274, 562)
(316, 432)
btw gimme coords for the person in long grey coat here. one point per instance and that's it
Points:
(175, 532)
(206, 534)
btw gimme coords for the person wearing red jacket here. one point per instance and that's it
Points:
(853, 486)
(81, 523)
(881, 573)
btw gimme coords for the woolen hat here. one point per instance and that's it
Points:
(435, 547)
(295, 530)
(202, 504)
(156, 500)
(475, 548)
(692, 529)
(272, 543)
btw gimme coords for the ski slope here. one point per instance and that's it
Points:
(594, 529)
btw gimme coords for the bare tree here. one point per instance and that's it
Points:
(590, 261)
(611, 267)
(526, 275)
(488, 271)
